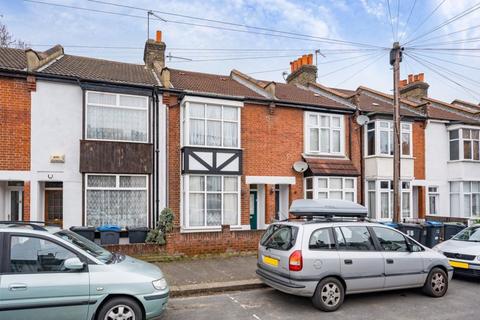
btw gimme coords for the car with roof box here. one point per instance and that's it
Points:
(330, 250)
(50, 273)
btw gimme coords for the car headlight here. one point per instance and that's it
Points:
(160, 284)
(437, 249)
(478, 258)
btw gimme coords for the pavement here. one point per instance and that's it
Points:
(210, 275)
(461, 302)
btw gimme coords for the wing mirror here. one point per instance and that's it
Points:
(73, 264)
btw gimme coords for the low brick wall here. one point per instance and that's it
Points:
(448, 219)
(195, 243)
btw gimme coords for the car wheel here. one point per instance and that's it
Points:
(437, 283)
(329, 295)
(120, 309)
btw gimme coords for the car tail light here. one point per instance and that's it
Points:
(295, 263)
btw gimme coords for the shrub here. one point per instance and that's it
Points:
(164, 225)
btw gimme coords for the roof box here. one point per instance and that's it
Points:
(327, 207)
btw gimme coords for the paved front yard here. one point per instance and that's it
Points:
(461, 302)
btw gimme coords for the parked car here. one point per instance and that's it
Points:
(56, 274)
(463, 251)
(325, 257)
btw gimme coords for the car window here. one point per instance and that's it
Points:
(321, 239)
(282, 238)
(354, 238)
(391, 240)
(86, 245)
(33, 255)
(471, 234)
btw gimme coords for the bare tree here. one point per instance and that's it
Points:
(7, 41)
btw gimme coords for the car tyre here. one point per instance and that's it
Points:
(329, 295)
(437, 283)
(120, 308)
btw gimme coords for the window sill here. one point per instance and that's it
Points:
(210, 147)
(121, 141)
(388, 157)
(468, 161)
(325, 155)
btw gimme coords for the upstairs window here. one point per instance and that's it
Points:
(116, 117)
(380, 140)
(465, 144)
(324, 134)
(211, 125)
(342, 188)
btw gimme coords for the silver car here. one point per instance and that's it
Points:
(57, 274)
(324, 259)
(463, 251)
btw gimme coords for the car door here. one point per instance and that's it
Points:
(36, 285)
(403, 267)
(361, 264)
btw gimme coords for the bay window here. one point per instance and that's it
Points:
(116, 199)
(343, 188)
(465, 198)
(465, 144)
(380, 199)
(211, 201)
(211, 125)
(324, 133)
(380, 140)
(116, 117)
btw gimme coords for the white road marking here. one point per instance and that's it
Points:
(256, 317)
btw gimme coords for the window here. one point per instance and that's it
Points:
(116, 199)
(391, 240)
(380, 140)
(343, 188)
(322, 239)
(455, 199)
(386, 199)
(405, 198)
(471, 196)
(211, 125)
(385, 195)
(372, 199)
(116, 117)
(324, 133)
(465, 144)
(280, 237)
(354, 238)
(433, 200)
(33, 255)
(212, 201)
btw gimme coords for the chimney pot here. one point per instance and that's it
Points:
(303, 71)
(154, 53)
(410, 78)
(421, 76)
(158, 37)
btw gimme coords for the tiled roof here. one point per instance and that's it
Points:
(13, 59)
(345, 92)
(295, 94)
(209, 83)
(101, 70)
(325, 167)
(371, 102)
(441, 111)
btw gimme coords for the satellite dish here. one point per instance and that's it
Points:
(362, 120)
(300, 166)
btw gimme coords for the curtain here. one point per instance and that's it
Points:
(314, 143)
(214, 133)
(336, 141)
(325, 140)
(384, 204)
(197, 132)
(214, 209)
(230, 134)
(196, 210)
(230, 209)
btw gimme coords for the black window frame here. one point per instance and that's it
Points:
(332, 237)
(7, 247)
(372, 236)
(377, 241)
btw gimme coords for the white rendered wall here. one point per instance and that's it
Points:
(57, 129)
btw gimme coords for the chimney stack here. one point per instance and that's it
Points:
(414, 88)
(154, 53)
(303, 71)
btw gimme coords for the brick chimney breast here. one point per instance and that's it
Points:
(154, 53)
(415, 88)
(302, 71)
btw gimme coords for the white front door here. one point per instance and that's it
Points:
(281, 201)
(14, 204)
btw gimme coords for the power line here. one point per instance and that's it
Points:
(267, 71)
(455, 32)
(302, 37)
(378, 57)
(459, 41)
(448, 21)
(398, 16)
(441, 49)
(391, 20)
(237, 58)
(426, 19)
(344, 67)
(408, 20)
(447, 61)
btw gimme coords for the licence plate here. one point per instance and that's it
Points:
(270, 261)
(461, 265)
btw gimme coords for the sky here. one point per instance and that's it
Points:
(452, 74)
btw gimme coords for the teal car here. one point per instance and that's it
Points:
(48, 273)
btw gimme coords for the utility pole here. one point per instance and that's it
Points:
(395, 59)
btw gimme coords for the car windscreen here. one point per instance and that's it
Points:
(280, 237)
(471, 234)
(86, 245)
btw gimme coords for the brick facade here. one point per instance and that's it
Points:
(15, 108)
(418, 139)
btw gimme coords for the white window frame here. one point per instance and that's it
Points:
(463, 193)
(307, 127)
(117, 187)
(186, 204)
(316, 189)
(433, 192)
(389, 129)
(461, 142)
(117, 106)
(185, 120)
(389, 190)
